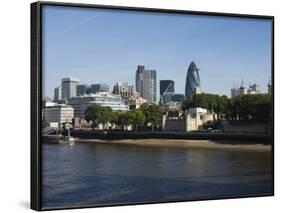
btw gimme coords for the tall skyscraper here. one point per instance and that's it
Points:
(146, 83)
(139, 79)
(192, 83)
(57, 94)
(167, 90)
(69, 87)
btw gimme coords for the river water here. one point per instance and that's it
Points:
(107, 174)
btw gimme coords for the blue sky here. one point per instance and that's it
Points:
(105, 46)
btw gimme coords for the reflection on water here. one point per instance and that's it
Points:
(99, 174)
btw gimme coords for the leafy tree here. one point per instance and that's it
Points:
(251, 107)
(204, 100)
(153, 114)
(99, 114)
(221, 106)
(187, 104)
(246, 107)
(116, 118)
(255, 107)
(262, 108)
(92, 113)
(127, 118)
(106, 116)
(139, 118)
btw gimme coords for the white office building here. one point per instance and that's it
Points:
(81, 103)
(58, 113)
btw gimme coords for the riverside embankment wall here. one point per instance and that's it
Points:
(118, 135)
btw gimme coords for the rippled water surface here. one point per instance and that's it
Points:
(99, 174)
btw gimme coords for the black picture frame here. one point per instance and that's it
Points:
(36, 92)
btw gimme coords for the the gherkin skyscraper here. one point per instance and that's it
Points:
(192, 83)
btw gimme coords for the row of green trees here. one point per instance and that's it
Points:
(246, 107)
(147, 114)
(214, 103)
(251, 107)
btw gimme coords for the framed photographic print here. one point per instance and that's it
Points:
(141, 105)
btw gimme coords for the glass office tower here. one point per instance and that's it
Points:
(69, 87)
(192, 84)
(83, 89)
(167, 90)
(146, 83)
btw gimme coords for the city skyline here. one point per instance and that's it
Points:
(94, 87)
(80, 42)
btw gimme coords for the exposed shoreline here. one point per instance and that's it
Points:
(183, 143)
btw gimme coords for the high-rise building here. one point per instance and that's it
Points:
(83, 89)
(139, 79)
(192, 83)
(146, 83)
(95, 88)
(125, 90)
(57, 94)
(167, 90)
(69, 87)
(167, 86)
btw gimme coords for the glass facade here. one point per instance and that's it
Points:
(167, 86)
(99, 88)
(178, 98)
(83, 89)
(69, 87)
(192, 84)
(57, 94)
(167, 90)
(139, 80)
(146, 83)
